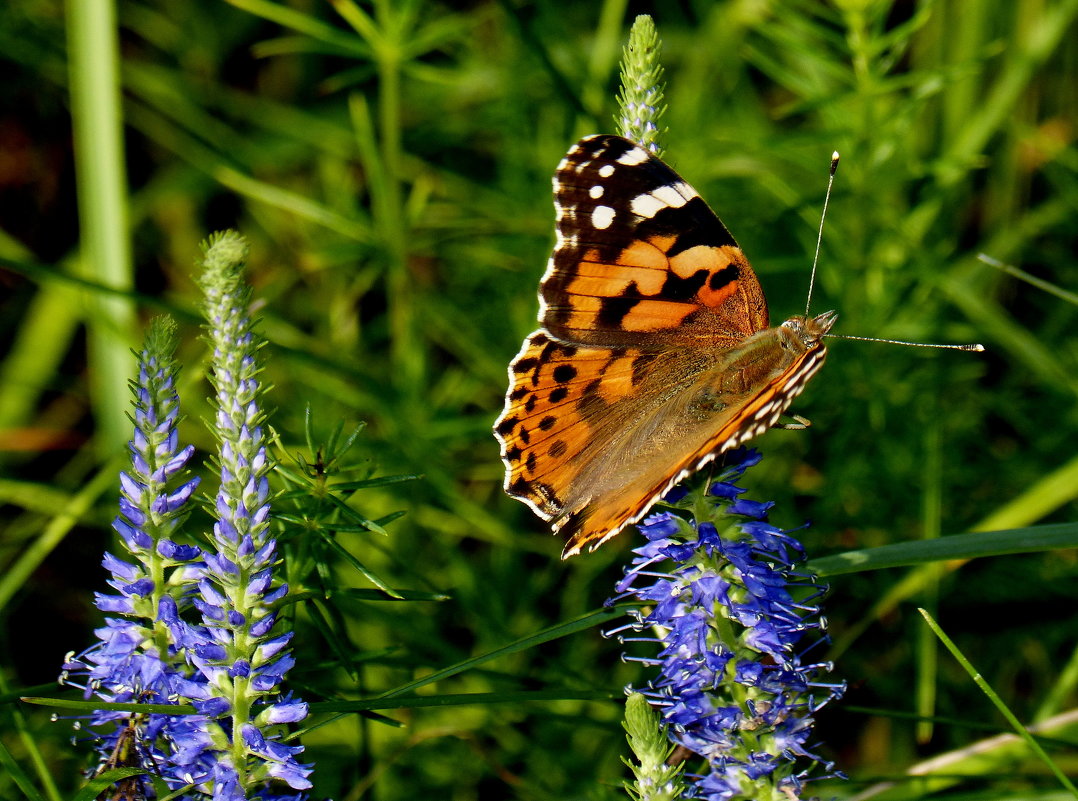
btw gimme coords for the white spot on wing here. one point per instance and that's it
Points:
(602, 217)
(633, 157)
(647, 206)
(676, 195)
(596, 192)
(606, 170)
(671, 196)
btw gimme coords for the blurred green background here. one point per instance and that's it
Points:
(390, 163)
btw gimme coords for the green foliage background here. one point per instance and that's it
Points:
(390, 163)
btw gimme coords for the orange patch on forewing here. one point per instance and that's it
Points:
(600, 278)
(687, 262)
(637, 272)
(650, 254)
(595, 287)
(644, 315)
(656, 315)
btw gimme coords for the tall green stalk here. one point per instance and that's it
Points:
(93, 62)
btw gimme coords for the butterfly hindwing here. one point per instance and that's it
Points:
(708, 412)
(560, 395)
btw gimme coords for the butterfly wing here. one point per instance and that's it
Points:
(682, 418)
(593, 436)
(640, 259)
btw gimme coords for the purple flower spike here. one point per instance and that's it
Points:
(239, 597)
(731, 683)
(135, 659)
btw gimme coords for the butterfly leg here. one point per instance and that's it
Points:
(800, 423)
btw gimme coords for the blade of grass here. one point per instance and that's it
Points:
(1032, 280)
(18, 775)
(955, 546)
(983, 685)
(77, 506)
(15, 720)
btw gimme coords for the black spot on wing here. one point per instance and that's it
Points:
(564, 373)
(677, 288)
(558, 449)
(591, 402)
(558, 394)
(727, 275)
(613, 310)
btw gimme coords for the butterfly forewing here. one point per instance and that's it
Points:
(640, 257)
(653, 354)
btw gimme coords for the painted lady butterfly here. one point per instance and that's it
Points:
(653, 354)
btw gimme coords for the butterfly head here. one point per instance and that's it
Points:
(809, 330)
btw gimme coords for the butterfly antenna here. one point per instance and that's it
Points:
(975, 347)
(819, 235)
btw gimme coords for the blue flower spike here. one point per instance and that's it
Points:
(722, 602)
(242, 656)
(138, 655)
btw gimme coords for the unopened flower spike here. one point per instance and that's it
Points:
(243, 655)
(725, 609)
(654, 778)
(138, 656)
(640, 102)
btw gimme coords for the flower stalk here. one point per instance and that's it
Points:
(138, 656)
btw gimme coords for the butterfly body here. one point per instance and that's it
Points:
(654, 355)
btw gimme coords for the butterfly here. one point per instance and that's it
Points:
(654, 352)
